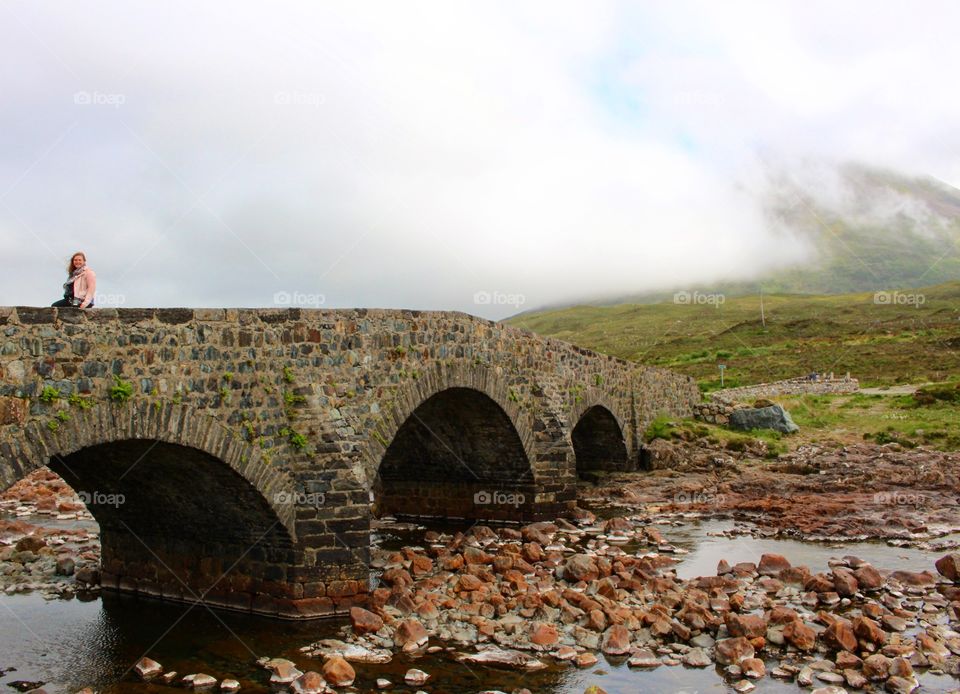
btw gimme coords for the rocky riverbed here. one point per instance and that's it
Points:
(587, 594)
(49, 542)
(834, 491)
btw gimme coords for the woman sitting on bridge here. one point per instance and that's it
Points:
(81, 283)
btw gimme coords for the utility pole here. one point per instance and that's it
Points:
(763, 318)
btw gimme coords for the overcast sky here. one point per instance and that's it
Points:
(486, 157)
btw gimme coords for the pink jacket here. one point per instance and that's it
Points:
(85, 286)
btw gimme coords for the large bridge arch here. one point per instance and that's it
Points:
(186, 511)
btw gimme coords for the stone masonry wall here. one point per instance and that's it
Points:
(302, 405)
(791, 386)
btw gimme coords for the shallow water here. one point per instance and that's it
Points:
(70, 644)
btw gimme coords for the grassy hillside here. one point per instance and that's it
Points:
(879, 343)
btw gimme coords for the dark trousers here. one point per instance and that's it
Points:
(65, 303)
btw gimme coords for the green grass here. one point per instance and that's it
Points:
(881, 344)
(911, 420)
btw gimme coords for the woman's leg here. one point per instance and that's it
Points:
(63, 303)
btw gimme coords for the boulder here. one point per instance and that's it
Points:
(410, 635)
(772, 565)
(338, 672)
(616, 640)
(732, 651)
(800, 636)
(773, 417)
(416, 677)
(949, 566)
(580, 567)
(147, 669)
(364, 621)
(309, 683)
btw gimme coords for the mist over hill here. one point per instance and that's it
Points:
(865, 229)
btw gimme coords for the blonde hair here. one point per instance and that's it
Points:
(70, 264)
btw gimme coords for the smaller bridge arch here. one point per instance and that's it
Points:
(598, 435)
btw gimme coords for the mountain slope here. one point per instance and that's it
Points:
(886, 338)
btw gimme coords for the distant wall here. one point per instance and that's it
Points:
(791, 386)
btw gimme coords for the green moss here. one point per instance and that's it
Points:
(49, 395)
(121, 391)
(79, 401)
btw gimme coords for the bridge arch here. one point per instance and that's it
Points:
(186, 510)
(598, 435)
(454, 443)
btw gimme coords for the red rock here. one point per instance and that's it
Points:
(541, 533)
(868, 578)
(876, 667)
(733, 651)
(772, 565)
(868, 631)
(949, 566)
(596, 620)
(580, 567)
(475, 555)
(901, 667)
(818, 583)
(30, 543)
(748, 625)
(543, 634)
(468, 582)
(800, 636)
(364, 621)
(844, 582)
(532, 551)
(782, 615)
(451, 562)
(753, 668)
(913, 578)
(840, 636)
(147, 669)
(396, 577)
(428, 610)
(585, 659)
(410, 634)
(338, 672)
(795, 575)
(421, 565)
(846, 660)
(616, 640)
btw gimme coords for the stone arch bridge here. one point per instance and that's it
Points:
(236, 456)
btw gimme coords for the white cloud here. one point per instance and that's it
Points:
(412, 154)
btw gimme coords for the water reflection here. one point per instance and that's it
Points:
(72, 644)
